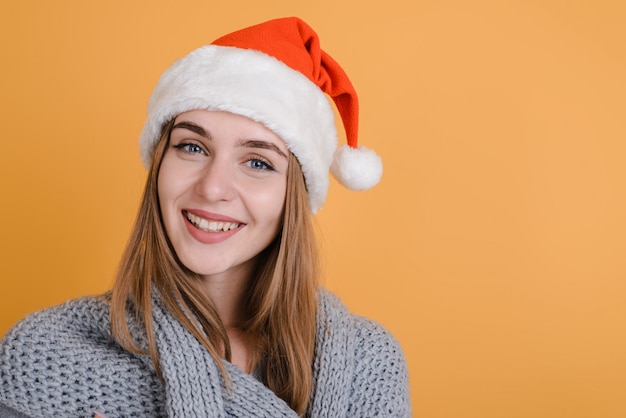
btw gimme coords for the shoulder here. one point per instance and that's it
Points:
(52, 359)
(380, 369)
(64, 359)
(375, 342)
(379, 384)
(52, 336)
(369, 337)
(75, 319)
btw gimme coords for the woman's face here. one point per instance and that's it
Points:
(221, 186)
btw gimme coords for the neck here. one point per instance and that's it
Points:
(227, 291)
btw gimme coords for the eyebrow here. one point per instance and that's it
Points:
(255, 143)
(197, 129)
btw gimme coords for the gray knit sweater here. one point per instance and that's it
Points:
(63, 362)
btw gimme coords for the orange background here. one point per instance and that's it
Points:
(494, 246)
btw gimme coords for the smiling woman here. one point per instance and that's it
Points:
(216, 309)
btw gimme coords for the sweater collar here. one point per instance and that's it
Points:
(195, 387)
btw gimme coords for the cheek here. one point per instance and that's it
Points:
(271, 204)
(170, 181)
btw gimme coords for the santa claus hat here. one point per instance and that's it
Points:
(274, 73)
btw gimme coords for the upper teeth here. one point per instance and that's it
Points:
(210, 226)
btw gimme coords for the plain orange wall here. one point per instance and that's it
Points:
(494, 246)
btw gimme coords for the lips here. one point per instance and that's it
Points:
(210, 228)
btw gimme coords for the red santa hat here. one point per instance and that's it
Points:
(274, 73)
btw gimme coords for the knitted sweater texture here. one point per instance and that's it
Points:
(63, 362)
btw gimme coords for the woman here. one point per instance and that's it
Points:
(216, 309)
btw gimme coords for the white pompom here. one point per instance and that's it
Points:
(357, 168)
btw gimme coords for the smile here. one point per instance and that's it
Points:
(210, 226)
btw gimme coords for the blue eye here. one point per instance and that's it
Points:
(258, 164)
(190, 148)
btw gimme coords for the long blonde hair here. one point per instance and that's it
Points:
(281, 301)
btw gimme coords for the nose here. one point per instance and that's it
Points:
(216, 181)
